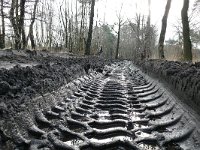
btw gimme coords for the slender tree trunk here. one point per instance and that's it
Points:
(37, 34)
(76, 26)
(89, 39)
(50, 32)
(186, 32)
(21, 23)
(66, 26)
(147, 47)
(2, 36)
(118, 40)
(66, 31)
(81, 37)
(64, 19)
(143, 37)
(163, 31)
(30, 35)
(69, 29)
(17, 20)
(42, 27)
(49, 26)
(70, 34)
(138, 42)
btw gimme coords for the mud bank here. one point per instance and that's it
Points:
(182, 78)
(26, 89)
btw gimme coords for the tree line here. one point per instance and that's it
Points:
(32, 24)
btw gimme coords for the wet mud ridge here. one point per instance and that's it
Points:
(119, 109)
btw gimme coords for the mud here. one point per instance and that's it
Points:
(27, 81)
(182, 78)
(75, 103)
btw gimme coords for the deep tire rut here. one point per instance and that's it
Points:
(120, 109)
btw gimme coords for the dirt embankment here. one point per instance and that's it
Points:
(49, 74)
(25, 89)
(182, 78)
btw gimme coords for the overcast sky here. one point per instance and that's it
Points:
(130, 7)
(108, 8)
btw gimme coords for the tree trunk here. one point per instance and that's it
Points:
(76, 26)
(14, 24)
(70, 34)
(89, 39)
(42, 27)
(2, 38)
(31, 36)
(147, 46)
(81, 37)
(186, 32)
(138, 43)
(66, 26)
(118, 40)
(163, 31)
(21, 23)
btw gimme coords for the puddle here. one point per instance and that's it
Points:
(134, 116)
(139, 126)
(74, 142)
(150, 146)
(103, 115)
(107, 140)
(142, 134)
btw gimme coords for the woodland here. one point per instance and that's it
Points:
(74, 26)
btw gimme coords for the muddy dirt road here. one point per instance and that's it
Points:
(118, 109)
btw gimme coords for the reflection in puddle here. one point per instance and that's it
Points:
(74, 142)
(103, 115)
(142, 134)
(139, 126)
(134, 116)
(107, 140)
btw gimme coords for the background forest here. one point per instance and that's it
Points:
(75, 26)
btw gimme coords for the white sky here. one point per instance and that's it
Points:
(109, 7)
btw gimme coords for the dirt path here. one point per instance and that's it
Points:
(117, 109)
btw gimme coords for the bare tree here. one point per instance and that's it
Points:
(147, 45)
(42, 19)
(89, 38)
(120, 23)
(136, 29)
(64, 20)
(186, 32)
(49, 24)
(70, 29)
(118, 37)
(140, 30)
(30, 35)
(81, 30)
(163, 31)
